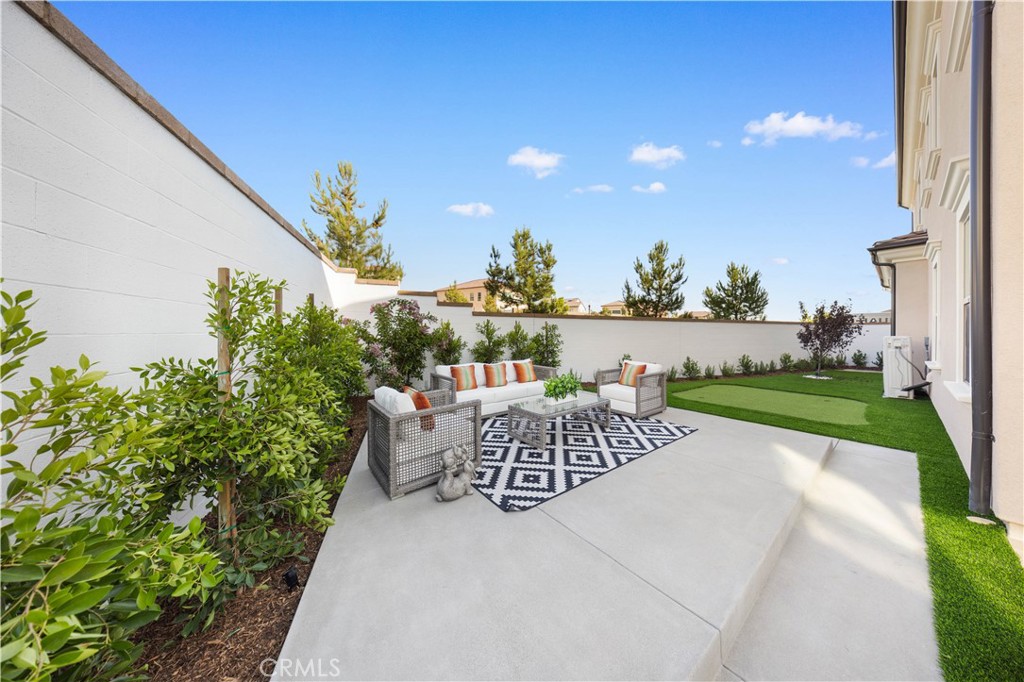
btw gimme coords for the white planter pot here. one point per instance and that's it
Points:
(567, 399)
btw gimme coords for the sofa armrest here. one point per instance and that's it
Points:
(441, 382)
(545, 372)
(606, 376)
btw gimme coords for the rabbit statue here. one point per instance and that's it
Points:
(457, 478)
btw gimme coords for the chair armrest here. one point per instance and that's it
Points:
(441, 396)
(606, 376)
(441, 382)
(545, 372)
(653, 378)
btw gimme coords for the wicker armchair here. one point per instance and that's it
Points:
(404, 450)
(649, 397)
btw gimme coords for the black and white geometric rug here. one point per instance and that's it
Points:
(515, 476)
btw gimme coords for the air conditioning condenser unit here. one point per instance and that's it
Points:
(897, 369)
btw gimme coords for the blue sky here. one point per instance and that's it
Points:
(751, 132)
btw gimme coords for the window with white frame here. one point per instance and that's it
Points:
(964, 294)
(936, 308)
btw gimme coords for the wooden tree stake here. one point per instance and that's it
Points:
(278, 302)
(226, 498)
(311, 299)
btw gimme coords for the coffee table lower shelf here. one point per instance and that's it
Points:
(528, 421)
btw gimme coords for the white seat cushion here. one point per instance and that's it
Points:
(616, 391)
(393, 401)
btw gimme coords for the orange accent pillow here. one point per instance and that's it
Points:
(465, 377)
(525, 371)
(630, 373)
(422, 402)
(495, 375)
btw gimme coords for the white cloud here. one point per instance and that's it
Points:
(474, 209)
(659, 157)
(747, 141)
(653, 188)
(860, 161)
(781, 260)
(715, 144)
(781, 124)
(601, 189)
(540, 163)
(873, 135)
(887, 162)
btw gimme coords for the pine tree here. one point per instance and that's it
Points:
(351, 241)
(658, 287)
(741, 298)
(528, 282)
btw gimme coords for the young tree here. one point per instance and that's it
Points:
(740, 298)
(349, 240)
(528, 282)
(827, 331)
(453, 295)
(657, 288)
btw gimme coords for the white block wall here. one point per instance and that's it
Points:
(598, 343)
(116, 224)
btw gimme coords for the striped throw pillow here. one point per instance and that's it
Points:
(525, 371)
(630, 373)
(495, 375)
(422, 402)
(465, 377)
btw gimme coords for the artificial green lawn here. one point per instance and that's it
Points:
(820, 408)
(977, 580)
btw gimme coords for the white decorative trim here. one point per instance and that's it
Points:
(955, 187)
(932, 163)
(931, 46)
(959, 37)
(932, 248)
(933, 365)
(959, 390)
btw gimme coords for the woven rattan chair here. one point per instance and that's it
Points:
(649, 397)
(404, 450)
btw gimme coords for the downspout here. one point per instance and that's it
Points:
(892, 288)
(980, 496)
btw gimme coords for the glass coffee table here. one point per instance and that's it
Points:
(528, 419)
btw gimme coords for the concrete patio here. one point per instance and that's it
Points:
(739, 552)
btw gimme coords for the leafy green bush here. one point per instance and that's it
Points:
(760, 368)
(396, 349)
(546, 346)
(839, 360)
(829, 361)
(727, 369)
(624, 358)
(673, 373)
(518, 343)
(84, 560)
(786, 362)
(878, 359)
(562, 386)
(448, 346)
(860, 359)
(804, 365)
(746, 364)
(691, 368)
(709, 372)
(772, 367)
(491, 347)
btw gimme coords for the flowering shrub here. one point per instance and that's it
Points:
(396, 347)
(448, 346)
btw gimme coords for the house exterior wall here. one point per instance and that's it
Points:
(911, 316)
(596, 342)
(935, 185)
(116, 224)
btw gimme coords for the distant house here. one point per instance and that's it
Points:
(614, 308)
(699, 315)
(576, 306)
(473, 290)
(884, 317)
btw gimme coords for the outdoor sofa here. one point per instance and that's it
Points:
(497, 399)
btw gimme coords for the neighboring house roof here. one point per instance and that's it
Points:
(613, 304)
(573, 301)
(471, 284)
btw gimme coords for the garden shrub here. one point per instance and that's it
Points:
(85, 562)
(709, 372)
(491, 347)
(839, 359)
(878, 359)
(760, 368)
(860, 359)
(786, 362)
(546, 346)
(828, 362)
(673, 373)
(624, 358)
(396, 347)
(518, 343)
(448, 346)
(727, 370)
(804, 365)
(772, 368)
(691, 368)
(746, 364)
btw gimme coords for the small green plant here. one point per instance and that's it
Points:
(840, 360)
(804, 365)
(691, 368)
(673, 373)
(829, 362)
(786, 362)
(727, 369)
(518, 343)
(491, 347)
(709, 372)
(772, 367)
(448, 346)
(760, 368)
(546, 346)
(624, 358)
(562, 386)
(860, 359)
(878, 359)
(746, 364)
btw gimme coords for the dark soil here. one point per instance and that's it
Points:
(252, 627)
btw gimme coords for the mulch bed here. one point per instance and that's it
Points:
(253, 626)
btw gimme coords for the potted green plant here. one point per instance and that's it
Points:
(562, 389)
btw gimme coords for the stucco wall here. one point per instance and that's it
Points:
(911, 315)
(116, 224)
(592, 343)
(1007, 269)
